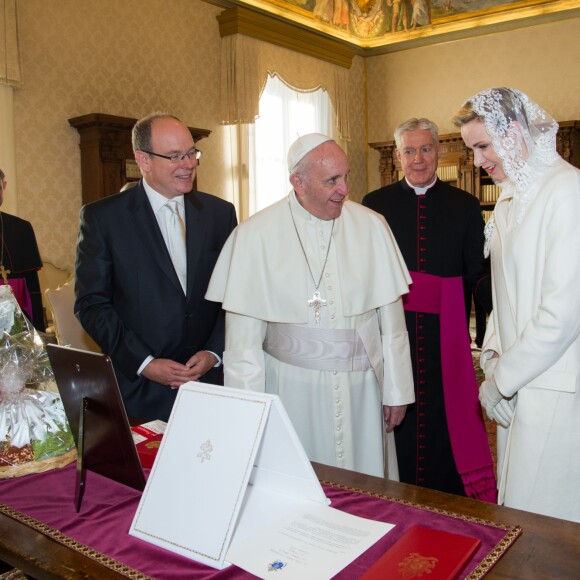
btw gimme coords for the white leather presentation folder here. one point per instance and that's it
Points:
(230, 464)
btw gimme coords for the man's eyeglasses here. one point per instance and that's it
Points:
(177, 157)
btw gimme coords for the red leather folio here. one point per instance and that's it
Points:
(423, 552)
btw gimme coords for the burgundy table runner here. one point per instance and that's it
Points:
(100, 531)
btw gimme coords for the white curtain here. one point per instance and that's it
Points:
(285, 114)
(246, 64)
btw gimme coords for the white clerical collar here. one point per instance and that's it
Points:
(421, 190)
(301, 212)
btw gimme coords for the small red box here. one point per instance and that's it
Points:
(147, 450)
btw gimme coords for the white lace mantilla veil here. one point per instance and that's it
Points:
(512, 119)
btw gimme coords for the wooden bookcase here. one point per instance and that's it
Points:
(456, 162)
(107, 160)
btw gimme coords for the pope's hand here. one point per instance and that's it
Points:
(394, 416)
(489, 396)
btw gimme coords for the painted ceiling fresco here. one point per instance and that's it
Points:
(395, 20)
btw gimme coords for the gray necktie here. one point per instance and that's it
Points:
(176, 241)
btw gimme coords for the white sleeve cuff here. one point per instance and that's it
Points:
(144, 364)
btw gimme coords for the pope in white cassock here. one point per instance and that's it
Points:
(312, 290)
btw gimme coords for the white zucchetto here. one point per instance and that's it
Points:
(304, 145)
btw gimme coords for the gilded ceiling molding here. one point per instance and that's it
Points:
(339, 29)
(238, 20)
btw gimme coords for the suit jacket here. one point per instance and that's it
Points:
(22, 258)
(128, 296)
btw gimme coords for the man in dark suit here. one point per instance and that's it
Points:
(441, 443)
(20, 259)
(146, 313)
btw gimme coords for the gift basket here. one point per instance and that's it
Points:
(34, 432)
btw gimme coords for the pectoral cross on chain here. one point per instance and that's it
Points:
(4, 273)
(317, 303)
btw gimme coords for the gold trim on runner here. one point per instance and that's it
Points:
(487, 563)
(61, 538)
(512, 533)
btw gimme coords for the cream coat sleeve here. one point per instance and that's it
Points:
(244, 366)
(490, 346)
(398, 387)
(555, 324)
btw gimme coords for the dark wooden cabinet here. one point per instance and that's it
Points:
(568, 142)
(107, 160)
(456, 162)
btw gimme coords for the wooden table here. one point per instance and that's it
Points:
(548, 548)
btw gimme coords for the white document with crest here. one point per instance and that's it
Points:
(229, 462)
(316, 541)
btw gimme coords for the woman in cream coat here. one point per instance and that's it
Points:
(531, 352)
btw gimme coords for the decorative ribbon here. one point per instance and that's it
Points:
(444, 296)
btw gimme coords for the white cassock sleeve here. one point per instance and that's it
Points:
(244, 365)
(398, 388)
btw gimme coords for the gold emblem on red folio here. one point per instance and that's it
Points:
(205, 451)
(415, 565)
(153, 444)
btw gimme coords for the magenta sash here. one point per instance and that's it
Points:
(444, 296)
(21, 294)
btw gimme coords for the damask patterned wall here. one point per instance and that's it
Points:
(131, 57)
(434, 81)
(122, 58)
(356, 148)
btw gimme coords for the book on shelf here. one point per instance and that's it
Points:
(486, 214)
(489, 193)
(447, 172)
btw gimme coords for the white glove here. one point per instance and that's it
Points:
(489, 396)
(503, 412)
